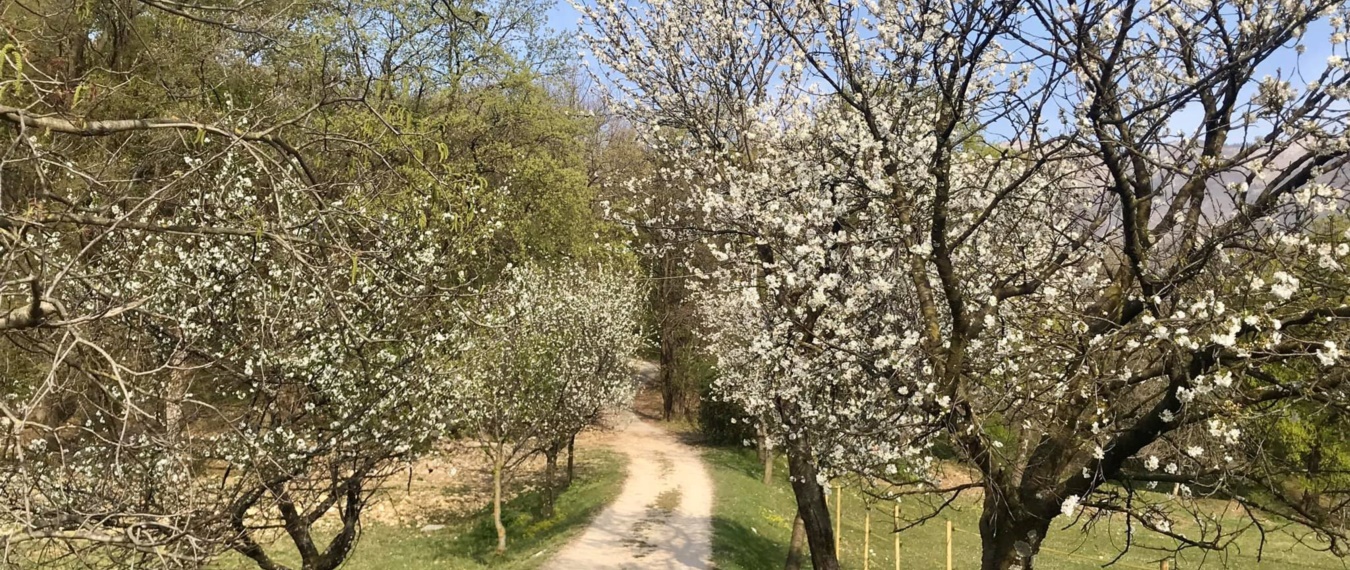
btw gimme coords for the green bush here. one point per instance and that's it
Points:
(722, 422)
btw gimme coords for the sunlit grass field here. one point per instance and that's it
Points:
(752, 525)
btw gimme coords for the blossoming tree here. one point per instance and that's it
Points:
(1072, 240)
(214, 335)
(550, 358)
(221, 354)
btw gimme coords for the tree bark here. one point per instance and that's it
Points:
(550, 479)
(765, 453)
(1010, 535)
(497, 501)
(768, 467)
(341, 545)
(571, 459)
(794, 557)
(176, 392)
(667, 376)
(811, 505)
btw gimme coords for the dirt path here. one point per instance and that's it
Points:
(662, 518)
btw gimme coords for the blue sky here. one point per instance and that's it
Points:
(562, 17)
(1287, 63)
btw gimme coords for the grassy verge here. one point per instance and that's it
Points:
(752, 525)
(469, 543)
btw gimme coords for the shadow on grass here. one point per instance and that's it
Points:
(469, 542)
(528, 532)
(742, 546)
(743, 462)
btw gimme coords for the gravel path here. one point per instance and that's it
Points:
(662, 518)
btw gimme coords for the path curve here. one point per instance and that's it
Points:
(662, 519)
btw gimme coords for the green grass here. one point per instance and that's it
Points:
(469, 543)
(752, 525)
(667, 501)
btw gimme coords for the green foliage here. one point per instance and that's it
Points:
(467, 109)
(1305, 443)
(720, 421)
(1309, 443)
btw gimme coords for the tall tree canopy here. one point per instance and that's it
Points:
(1070, 240)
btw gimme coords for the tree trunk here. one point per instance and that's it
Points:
(811, 505)
(571, 459)
(175, 392)
(497, 502)
(768, 467)
(550, 479)
(667, 377)
(765, 453)
(794, 558)
(1010, 536)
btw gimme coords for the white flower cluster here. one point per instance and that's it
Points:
(550, 356)
(236, 324)
(881, 277)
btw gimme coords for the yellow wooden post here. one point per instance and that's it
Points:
(949, 545)
(895, 534)
(838, 519)
(867, 537)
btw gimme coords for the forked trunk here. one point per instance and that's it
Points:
(1009, 537)
(811, 505)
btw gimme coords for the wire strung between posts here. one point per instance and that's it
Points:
(1072, 554)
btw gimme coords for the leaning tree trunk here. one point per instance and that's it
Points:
(1010, 533)
(811, 505)
(794, 557)
(497, 500)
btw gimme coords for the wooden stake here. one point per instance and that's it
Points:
(949, 545)
(838, 518)
(895, 533)
(867, 537)
(1163, 565)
